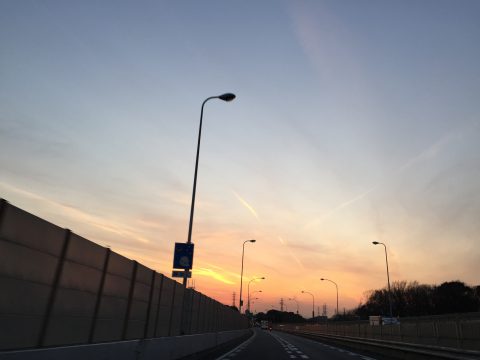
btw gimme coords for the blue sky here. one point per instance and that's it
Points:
(354, 121)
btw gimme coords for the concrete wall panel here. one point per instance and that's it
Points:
(23, 297)
(112, 308)
(23, 228)
(115, 285)
(19, 331)
(85, 252)
(144, 275)
(195, 313)
(138, 311)
(120, 265)
(67, 330)
(163, 323)
(27, 264)
(176, 320)
(108, 330)
(141, 291)
(135, 330)
(60, 298)
(80, 277)
(74, 303)
(154, 305)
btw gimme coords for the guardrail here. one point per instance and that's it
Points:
(390, 349)
(460, 331)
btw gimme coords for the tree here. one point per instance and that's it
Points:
(454, 297)
(414, 299)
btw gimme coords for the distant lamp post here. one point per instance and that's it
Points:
(333, 282)
(241, 274)
(293, 299)
(248, 290)
(313, 303)
(388, 277)
(224, 97)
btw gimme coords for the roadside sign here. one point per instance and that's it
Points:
(181, 273)
(183, 256)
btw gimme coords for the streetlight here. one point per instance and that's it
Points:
(335, 286)
(313, 303)
(248, 288)
(241, 275)
(253, 292)
(388, 277)
(225, 97)
(293, 299)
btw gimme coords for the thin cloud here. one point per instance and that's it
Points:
(212, 274)
(429, 153)
(297, 260)
(246, 205)
(80, 216)
(321, 219)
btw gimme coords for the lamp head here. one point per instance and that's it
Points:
(303, 291)
(262, 278)
(227, 97)
(252, 241)
(322, 279)
(375, 242)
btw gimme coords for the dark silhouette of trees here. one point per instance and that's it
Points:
(276, 316)
(454, 297)
(414, 299)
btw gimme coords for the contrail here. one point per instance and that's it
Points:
(297, 260)
(427, 154)
(247, 205)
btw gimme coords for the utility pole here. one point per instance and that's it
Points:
(281, 304)
(233, 299)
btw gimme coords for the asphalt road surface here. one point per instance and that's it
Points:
(276, 345)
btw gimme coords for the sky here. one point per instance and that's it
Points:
(355, 121)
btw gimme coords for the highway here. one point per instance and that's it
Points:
(276, 345)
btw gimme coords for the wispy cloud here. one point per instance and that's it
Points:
(427, 154)
(199, 271)
(353, 200)
(430, 152)
(295, 258)
(79, 216)
(246, 205)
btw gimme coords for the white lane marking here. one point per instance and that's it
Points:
(238, 348)
(289, 348)
(363, 357)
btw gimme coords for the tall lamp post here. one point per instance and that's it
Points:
(313, 303)
(388, 277)
(224, 97)
(335, 286)
(248, 290)
(293, 299)
(241, 275)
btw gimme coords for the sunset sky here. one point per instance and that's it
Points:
(355, 121)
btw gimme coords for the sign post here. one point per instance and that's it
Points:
(183, 259)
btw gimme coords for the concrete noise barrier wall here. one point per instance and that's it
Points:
(58, 288)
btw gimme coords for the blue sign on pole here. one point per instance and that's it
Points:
(183, 256)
